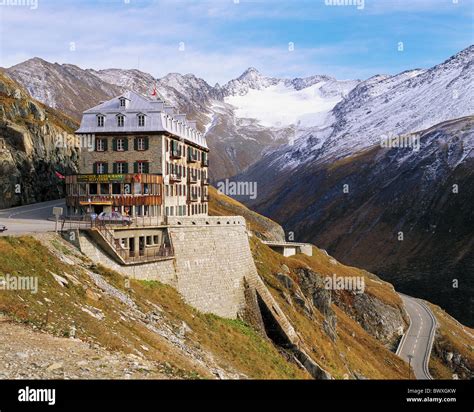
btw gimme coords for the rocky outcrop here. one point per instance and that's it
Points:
(35, 141)
(384, 322)
(458, 363)
(307, 291)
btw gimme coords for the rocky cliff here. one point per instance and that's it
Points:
(34, 143)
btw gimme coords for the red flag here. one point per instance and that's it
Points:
(154, 93)
(59, 175)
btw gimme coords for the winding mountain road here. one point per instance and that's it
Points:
(415, 346)
(29, 218)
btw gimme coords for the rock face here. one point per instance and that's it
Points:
(382, 321)
(458, 363)
(33, 145)
(405, 215)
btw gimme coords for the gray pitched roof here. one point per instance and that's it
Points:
(160, 117)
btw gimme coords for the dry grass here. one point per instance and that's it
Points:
(454, 338)
(234, 346)
(355, 349)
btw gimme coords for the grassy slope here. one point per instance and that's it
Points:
(234, 346)
(454, 338)
(261, 226)
(350, 352)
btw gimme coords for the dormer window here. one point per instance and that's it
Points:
(123, 102)
(141, 120)
(120, 120)
(100, 120)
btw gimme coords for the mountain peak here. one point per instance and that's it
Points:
(250, 72)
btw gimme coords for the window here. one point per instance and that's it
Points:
(104, 189)
(101, 145)
(123, 102)
(101, 168)
(120, 120)
(121, 167)
(142, 166)
(92, 188)
(100, 120)
(116, 188)
(141, 120)
(120, 145)
(141, 143)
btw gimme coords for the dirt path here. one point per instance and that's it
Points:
(26, 354)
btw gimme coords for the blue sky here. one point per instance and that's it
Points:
(218, 39)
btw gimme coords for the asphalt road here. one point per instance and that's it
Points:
(30, 218)
(418, 339)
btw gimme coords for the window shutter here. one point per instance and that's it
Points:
(106, 168)
(114, 144)
(125, 167)
(94, 168)
(135, 167)
(125, 143)
(105, 145)
(146, 143)
(114, 167)
(146, 167)
(135, 144)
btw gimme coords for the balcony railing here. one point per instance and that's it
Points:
(132, 256)
(192, 178)
(192, 158)
(174, 178)
(176, 154)
(193, 197)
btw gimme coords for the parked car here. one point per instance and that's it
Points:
(114, 217)
(3, 228)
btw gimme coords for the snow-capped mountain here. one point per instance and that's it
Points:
(242, 119)
(65, 87)
(282, 102)
(384, 106)
(252, 115)
(358, 207)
